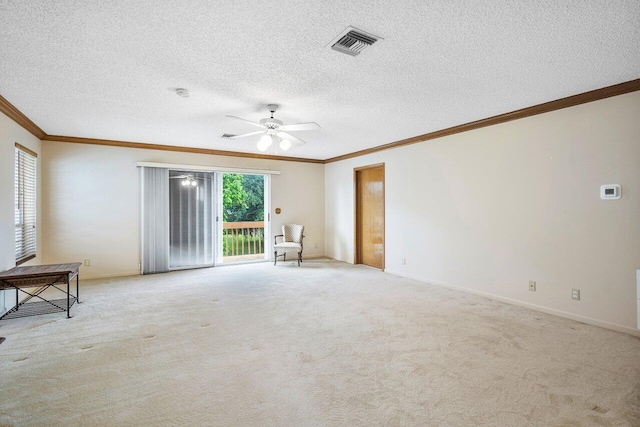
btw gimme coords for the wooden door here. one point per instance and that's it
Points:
(369, 183)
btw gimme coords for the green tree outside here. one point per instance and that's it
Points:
(242, 197)
(233, 196)
(242, 200)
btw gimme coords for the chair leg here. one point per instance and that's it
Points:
(299, 258)
(275, 257)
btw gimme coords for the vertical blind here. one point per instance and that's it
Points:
(25, 204)
(155, 220)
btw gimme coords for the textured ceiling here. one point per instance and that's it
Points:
(104, 69)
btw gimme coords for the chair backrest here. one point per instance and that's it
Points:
(293, 233)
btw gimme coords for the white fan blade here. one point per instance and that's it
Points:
(291, 138)
(300, 126)
(248, 121)
(244, 135)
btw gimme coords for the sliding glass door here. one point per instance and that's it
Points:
(192, 214)
(195, 218)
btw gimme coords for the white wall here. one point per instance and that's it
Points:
(92, 206)
(10, 133)
(490, 209)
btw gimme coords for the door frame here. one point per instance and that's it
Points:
(357, 252)
(268, 244)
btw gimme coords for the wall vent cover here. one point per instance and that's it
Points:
(352, 41)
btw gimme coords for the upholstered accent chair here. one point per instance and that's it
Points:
(290, 241)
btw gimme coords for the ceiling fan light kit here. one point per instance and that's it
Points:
(274, 131)
(285, 144)
(265, 142)
(187, 180)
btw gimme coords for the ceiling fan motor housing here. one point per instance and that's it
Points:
(271, 123)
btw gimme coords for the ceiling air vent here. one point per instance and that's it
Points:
(353, 41)
(227, 135)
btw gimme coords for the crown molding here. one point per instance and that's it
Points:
(140, 145)
(558, 104)
(16, 115)
(595, 95)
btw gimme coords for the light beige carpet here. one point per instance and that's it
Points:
(327, 344)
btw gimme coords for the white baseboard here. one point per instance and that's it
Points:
(312, 256)
(543, 309)
(87, 276)
(304, 256)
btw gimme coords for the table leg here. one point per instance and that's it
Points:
(68, 298)
(17, 298)
(78, 287)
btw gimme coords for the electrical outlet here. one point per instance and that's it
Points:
(532, 286)
(575, 294)
(87, 263)
(404, 261)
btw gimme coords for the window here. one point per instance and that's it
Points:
(25, 210)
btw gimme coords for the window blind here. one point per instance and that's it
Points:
(25, 204)
(154, 217)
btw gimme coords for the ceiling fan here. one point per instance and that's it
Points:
(274, 130)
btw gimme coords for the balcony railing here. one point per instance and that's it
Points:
(243, 238)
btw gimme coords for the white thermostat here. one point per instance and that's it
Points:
(610, 191)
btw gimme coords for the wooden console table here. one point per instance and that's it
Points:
(41, 277)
